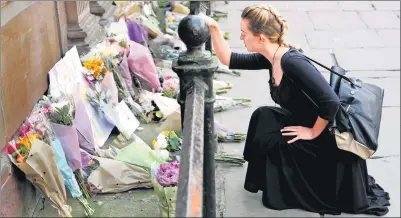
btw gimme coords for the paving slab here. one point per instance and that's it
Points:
(298, 20)
(240, 203)
(369, 59)
(306, 6)
(386, 5)
(138, 203)
(389, 37)
(356, 6)
(352, 38)
(380, 19)
(337, 20)
(323, 56)
(389, 135)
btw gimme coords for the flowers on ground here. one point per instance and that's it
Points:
(95, 69)
(167, 174)
(167, 140)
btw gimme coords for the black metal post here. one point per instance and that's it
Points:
(190, 189)
(208, 45)
(193, 65)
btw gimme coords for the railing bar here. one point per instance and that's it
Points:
(190, 189)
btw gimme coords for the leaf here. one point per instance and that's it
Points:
(173, 145)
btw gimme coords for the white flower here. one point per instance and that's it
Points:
(161, 142)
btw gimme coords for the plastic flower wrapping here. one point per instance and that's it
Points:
(37, 160)
(165, 182)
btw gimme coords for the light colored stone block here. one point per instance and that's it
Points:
(356, 5)
(369, 59)
(386, 5)
(298, 21)
(336, 20)
(389, 37)
(381, 19)
(322, 56)
(344, 39)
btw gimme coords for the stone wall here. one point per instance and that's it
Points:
(34, 36)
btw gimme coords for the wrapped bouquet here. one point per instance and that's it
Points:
(165, 183)
(226, 103)
(38, 161)
(167, 140)
(39, 122)
(61, 114)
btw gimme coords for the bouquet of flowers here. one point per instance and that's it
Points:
(168, 140)
(221, 87)
(106, 175)
(170, 87)
(94, 69)
(165, 183)
(138, 153)
(61, 114)
(223, 135)
(39, 122)
(157, 107)
(226, 103)
(37, 160)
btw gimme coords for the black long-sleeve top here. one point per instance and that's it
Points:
(303, 90)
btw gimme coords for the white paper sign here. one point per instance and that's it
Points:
(123, 118)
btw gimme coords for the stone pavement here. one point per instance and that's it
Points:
(365, 37)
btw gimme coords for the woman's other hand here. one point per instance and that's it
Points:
(300, 132)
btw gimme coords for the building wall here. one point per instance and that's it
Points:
(34, 36)
(31, 44)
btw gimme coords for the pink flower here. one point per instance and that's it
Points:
(25, 130)
(169, 83)
(168, 173)
(47, 109)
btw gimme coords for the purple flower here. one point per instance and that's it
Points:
(167, 174)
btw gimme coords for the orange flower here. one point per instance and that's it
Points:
(105, 70)
(96, 74)
(98, 62)
(20, 158)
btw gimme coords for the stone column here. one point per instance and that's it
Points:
(76, 11)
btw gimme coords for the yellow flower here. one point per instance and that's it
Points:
(25, 141)
(33, 136)
(166, 133)
(153, 144)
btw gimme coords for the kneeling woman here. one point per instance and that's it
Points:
(293, 159)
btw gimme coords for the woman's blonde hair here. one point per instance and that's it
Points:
(265, 19)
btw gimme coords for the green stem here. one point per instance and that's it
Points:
(88, 210)
(81, 183)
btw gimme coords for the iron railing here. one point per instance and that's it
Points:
(196, 195)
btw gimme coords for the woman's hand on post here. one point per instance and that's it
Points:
(209, 21)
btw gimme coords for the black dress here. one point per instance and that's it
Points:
(313, 175)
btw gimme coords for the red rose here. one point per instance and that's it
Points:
(10, 149)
